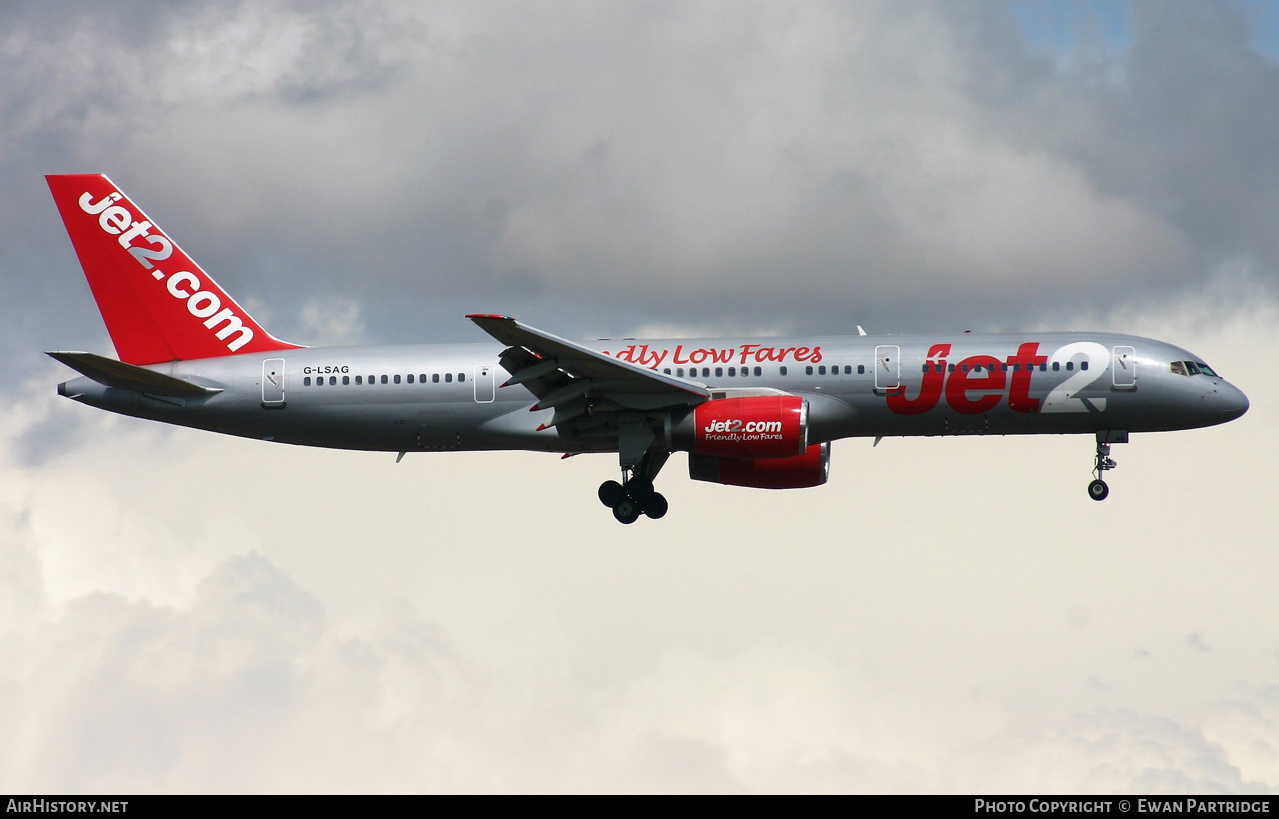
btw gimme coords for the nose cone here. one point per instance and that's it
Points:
(1235, 402)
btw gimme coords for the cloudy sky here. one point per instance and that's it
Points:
(181, 612)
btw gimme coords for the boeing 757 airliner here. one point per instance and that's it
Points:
(748, 412)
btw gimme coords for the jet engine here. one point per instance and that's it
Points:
(796, 472)
(750, 428)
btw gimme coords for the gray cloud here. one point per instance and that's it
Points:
(1197, 643)
(900, 165)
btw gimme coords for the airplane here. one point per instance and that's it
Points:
(750, 412)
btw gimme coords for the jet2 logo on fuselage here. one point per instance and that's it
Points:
(978, 383)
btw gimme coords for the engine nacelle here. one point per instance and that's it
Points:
(751, 428)
(796, 472)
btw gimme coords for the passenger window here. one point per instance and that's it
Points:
(1017, 367)
(1003, 366)
(1083, 365)
(861, 369)
(963, 368)
(306, 382)
(808, 370)
(397, 378)
(1070, 365)
(732, 371)
(448, 378)
(952, 367)
(706, 372)
(667, 370)
(1056, 366)
(719, 372)
(680, 372)
(759, 371)
(461, 377)
(410, 378)
(435, 378)
(346, 380)
(359, 379)
(422, 378)
(927, 367)
(1043, 368)
(333, 380)
(385, 379)
(821, 370)
(782, 370)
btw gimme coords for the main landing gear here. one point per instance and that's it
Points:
(1098, 490)
(635, 495)
(631, 499)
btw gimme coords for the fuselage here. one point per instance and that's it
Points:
(449, 396)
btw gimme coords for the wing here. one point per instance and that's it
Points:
(586, 389)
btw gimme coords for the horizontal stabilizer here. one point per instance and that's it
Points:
(112, 373)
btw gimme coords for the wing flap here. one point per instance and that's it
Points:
(557, 368)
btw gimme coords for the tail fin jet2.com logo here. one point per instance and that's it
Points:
(148, 247)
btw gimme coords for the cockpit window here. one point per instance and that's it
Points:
(1191, 368)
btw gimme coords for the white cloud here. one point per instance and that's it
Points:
(185, 612)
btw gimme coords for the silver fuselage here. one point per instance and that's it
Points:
(448, 396)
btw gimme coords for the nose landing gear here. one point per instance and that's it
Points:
(1098, 490)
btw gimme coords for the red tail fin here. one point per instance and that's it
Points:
(158, 305)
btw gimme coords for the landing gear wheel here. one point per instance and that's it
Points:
(1097, 490)
(639, 488)
(611, 493)
(626, 511)
(635, 496)
(655, 505)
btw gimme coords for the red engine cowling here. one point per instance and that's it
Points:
(761, 426)
(796, 472)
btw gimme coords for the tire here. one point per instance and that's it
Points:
(639, 488)
(626, 511)
(1097, 490)
(611, 493)
(655, 506)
